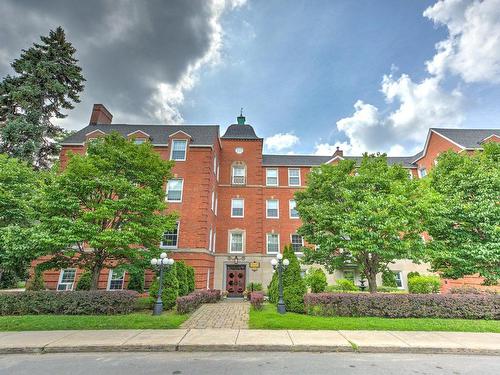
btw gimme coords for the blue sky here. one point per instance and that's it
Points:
(311, 75)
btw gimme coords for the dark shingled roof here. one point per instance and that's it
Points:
(200, 134)
(468, 138)
(237, 131)
(315, 160)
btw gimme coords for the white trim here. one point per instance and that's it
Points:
(213, 243)
(216, 203)
(177, 242)
(215, 165)
(210, 239)
(208, 278)
(179, 131)
(209, 146)
(290, 209)
(427, 143)
(138, 131)
(73, 144)
(291, 242)
(335, 158)
(267, 243)
(110, 277)
(59, 281)
(185, 149)
(95, 131)
(488, 137)
(232, 201)
(243, 240)
(182, 191)
(278, 208)
(419, 171)
(213, 201)
(300, 182)
(277, 177)
(400, 273)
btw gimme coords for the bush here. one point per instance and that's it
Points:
(190, 279)
(294, 286)
(257, 300)
(182, 278)
(389, 289)
(389, 279)
(424, 284)
(192, 301)
(144, 303)
(97, 302)
(84, 282)
(36, 283)
(170, 290)
(343, 285)
(404, 305)
(412, 274)
(254, 287)
(8, 279)
(316, 280)
(136, 280)
(466, 289)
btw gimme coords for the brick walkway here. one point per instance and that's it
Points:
(226, 314)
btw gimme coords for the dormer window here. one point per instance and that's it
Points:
(238, 176)
(139, 141)
(179, 147)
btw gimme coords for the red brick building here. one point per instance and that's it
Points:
(236, 205)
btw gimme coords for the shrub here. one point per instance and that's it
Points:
(424, 284)
(84, 281)
(8, 279)
(192, 301)
(404, 305)
(389, 289)
(257, 300)
(36, 283)
(144, 303)
(389, 279)
(136, 280)
(96, 302)
(254, 287)
(466, 289)
(294, 286)
(412, 274)
(182, 278)
(344, 285)
(170, 290)
(316, 280)
(190, 279)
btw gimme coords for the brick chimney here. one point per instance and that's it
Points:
(338, 152)
(100, 115)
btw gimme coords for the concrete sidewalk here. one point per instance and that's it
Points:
(248, 340)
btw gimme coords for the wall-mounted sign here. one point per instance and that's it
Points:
(254, 266)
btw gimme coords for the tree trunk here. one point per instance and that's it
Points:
(96, 271)
(372, 281)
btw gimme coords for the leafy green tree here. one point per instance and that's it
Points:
(367, 216)
(463, 194)
(190, 279)
(316, 280)
(136, 279)
(389, 279)
(106, 205)
(47, 82)
(182, 278)
(294, 286)
(84, 281)
(18, 187)
(170, 290)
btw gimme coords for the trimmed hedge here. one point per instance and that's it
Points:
(192, 301)
(464, 306)
(67, 303)
(424, 284)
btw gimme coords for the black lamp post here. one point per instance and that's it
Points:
(280, 264)
(161, 264)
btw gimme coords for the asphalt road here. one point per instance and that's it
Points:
(241, 363)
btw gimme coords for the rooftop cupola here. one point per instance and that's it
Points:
(240, 130)
(241, 118)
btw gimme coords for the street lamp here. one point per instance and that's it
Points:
(280, 264)
(160, 263)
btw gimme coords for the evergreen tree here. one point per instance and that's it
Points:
(190, 279)
(136, 279)
(47, 81)
(182, 278)
(170, 290)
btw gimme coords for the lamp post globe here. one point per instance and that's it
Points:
(279, 264)
(160, 263)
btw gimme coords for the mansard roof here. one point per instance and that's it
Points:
(240, 131)
(201, 135)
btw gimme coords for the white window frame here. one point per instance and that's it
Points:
(213, 243)
(243, 239)
(215, 164)
(185, 149)
(213, 201)
(110, 278)
(139, 141)
(398, 275)
(267, 243)
(290, 209)
(176, 242)
(291, 242)
(59, 282)
(182, 190)
(277, 176)
(267, 209)
(293, 169)
(216, 203)
(238, 166)
(420, 175)
(210, 239)
(243, 207)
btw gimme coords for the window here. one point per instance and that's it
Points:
(216, 204)
(293, 210)
(213, 201)
(297, 243)
(238, 175)
(271, 177)
(213, 244)
(272, 208)
(215, 164)
(273, 243)
(66, 279)
(293, 177)
(237, 207)
(116, 279)
(174, 190)
(236, 242)
(139, 141)
(399, 279)
(422, 172)
(178, 150)
(210, 240)
(170, 238)
(410, 173)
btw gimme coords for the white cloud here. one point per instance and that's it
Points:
(281, 141)
(325, 149)
(472, 49)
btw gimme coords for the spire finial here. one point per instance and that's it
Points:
(241, 118)
(241, 112)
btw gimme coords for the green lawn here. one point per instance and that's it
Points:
(268, 318)
(139, 320)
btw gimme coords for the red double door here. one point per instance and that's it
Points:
(235, 280)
